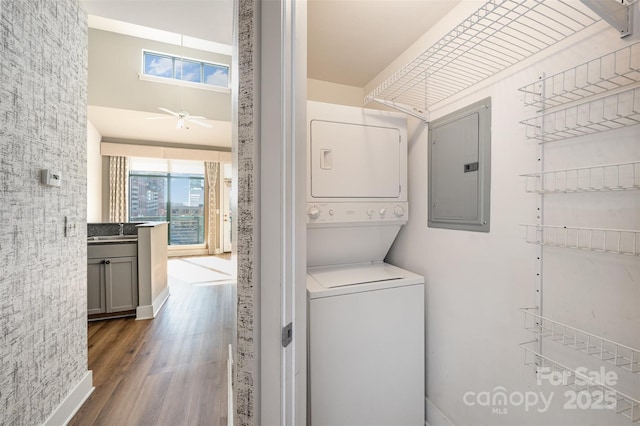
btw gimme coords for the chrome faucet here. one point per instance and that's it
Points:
(121, 229)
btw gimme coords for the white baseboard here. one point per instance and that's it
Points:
(150, 311)
(159, 302)
(144, 312)
(230, 395)
(72, 403)
(174, 251)
(435, 417)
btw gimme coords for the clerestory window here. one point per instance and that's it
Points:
(191, 70)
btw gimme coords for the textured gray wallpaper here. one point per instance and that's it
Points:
(43, 73)
(247, 218)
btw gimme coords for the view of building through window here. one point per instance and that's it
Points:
(172, 191)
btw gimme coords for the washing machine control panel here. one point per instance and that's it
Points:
(320, 213)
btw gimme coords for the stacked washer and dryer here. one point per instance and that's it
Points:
(366, 317)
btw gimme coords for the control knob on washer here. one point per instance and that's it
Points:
(313, 212)
(398, 211)
(382, 211)
(370, 212)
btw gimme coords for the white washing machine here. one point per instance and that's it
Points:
(366, 317)
(366, 345)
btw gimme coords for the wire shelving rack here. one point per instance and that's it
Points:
(622, 403)
(593, 116)
(501, 33)
(617, 241)
(614, 353)
(600, 178)
(612, 71)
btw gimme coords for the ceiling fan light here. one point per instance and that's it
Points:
(180, 124)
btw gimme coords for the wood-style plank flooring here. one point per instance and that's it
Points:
(171, 370)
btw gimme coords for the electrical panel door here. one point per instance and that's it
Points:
(455, 190)
(459, 169)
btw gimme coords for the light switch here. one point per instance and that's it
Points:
(70, 227)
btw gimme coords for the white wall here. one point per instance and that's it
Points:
(115, 62)
(94, 175)
(476, 282)
(333, 93)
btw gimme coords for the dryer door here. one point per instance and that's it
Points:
(354, 161)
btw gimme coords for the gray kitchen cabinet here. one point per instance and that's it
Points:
(96, 300)
(112, 278)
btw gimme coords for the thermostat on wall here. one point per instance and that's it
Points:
(51, 178)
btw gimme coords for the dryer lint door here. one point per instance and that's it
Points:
(354, 161)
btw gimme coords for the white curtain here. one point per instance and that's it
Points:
(118, 189)
(211, 171)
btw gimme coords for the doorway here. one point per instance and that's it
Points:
(170, 96)
(227, 221)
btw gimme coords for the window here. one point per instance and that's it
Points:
(191, 70)
(172, 191)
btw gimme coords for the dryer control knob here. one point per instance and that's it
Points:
(370, 212)
(383, 211)
(313, 212)
(331, 212)
(398, 211)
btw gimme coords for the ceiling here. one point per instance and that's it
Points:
(117, 123)
(349, 42)
(204, 19)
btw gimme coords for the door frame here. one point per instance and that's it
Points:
(269, 176)
(282, 211)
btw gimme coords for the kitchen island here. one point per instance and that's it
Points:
(145, 246)
(152, 268)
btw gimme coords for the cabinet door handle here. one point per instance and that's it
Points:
(108, 262)
(102, 262)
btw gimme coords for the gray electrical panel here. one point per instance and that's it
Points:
(459, 169)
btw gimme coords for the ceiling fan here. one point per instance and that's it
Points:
(184, 118)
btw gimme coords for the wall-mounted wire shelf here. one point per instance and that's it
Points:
(624, 404)
(617, 241)
(600, 178)
(614, 353)
(498, 35)
(609, 72)
(597, 115)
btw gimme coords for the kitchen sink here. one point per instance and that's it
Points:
(114, 238)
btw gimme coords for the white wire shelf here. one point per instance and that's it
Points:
(624, 405)
(501, 33)
(614, 353)
(609, 72)
(597, 115)
(600, 178)
(617, 241)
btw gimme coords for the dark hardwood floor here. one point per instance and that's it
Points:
(171, 370)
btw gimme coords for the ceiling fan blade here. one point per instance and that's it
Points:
(196, 117)
(168, 111)
(199, 123)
